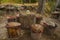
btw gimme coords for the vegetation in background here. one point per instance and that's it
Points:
(33, 1)
(0, 1)
(18, 1)
(49, 6)
(46, 6)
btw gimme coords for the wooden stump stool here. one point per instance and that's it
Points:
(36, 31)
(38, 19)
(13, 29)
(13, 18)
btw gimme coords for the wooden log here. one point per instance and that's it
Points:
(37, 28)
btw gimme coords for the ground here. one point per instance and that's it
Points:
(27, 36)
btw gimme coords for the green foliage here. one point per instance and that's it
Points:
(11, 1)
(5, 1)
(50, 6)
(0, 1)
(16, 1)
(33, 1)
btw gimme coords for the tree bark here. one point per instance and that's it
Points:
(58, 3)
(40, 5)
